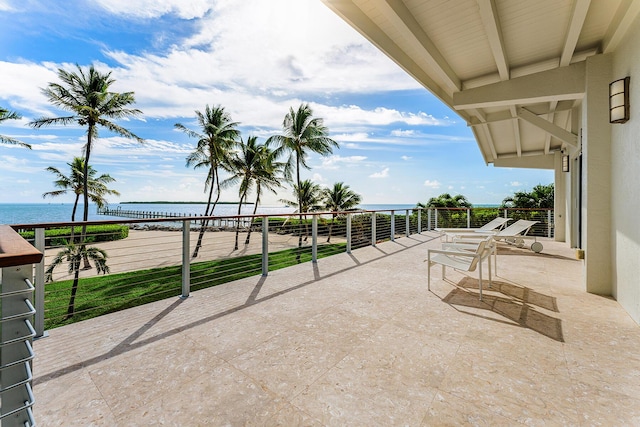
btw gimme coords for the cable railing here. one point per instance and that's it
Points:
(476, 217)
(122, 264)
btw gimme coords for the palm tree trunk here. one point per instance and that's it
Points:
(85, 191)
(255, 209)
(299, 208)
(235, 248)
(333, 218)
(74, 290)
(205, 221)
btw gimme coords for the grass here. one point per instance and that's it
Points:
(106, 294)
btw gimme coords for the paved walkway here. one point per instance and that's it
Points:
(355, 340)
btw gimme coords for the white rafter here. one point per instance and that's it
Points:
(578, 15)
(549, 127)
(398, 14)
(624, 17)
(489, 15)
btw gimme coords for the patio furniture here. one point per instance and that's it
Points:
(515, 234)
(495, 224)
(462, 258)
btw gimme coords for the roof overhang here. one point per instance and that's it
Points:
(514, 71)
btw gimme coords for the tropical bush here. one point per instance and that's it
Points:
(95, 233)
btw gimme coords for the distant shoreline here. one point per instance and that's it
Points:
(160, 202)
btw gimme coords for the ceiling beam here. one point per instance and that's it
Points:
(565, 83)
(547, 126)
(355, 17)
(620, 24)
(398, 14)
(489, 16)
(503, 115)
(516, 131)
(578, 15)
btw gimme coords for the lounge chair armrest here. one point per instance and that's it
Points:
(453, 253)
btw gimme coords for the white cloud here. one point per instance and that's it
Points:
(336, 161)
(515, 184)
(382, 174)
(406, 158)
(318, 179)
(432, 184)
(400, 132)
(155, 8)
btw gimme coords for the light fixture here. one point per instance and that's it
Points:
(619, 101)
(565, 163)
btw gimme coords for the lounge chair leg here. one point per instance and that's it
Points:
(480, 278)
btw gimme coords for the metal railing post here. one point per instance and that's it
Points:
(186, 260)
(549, 223)
(314, 238)
(373, 229)
(393, 226)
(436, 215)
(265, 246)
(39, 284)
(506, 213)
(408, 224)
(468, 218)
(419, 221)
(349, 233)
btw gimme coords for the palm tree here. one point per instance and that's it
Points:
(540, 197)
(10, 115)
(73, 254)
(268, 178)
(74, 182)
(445, 200)
(302, 133)
(218, 138)
(85, 94)
(252, 165)
(340, 198)
(309, 198)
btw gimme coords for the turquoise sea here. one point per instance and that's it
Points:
(36, 213)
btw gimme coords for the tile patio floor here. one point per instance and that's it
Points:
(355, 340)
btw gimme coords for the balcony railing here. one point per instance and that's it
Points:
(16, 330)
(155, 258)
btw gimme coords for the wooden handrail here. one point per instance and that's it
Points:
(14, 250)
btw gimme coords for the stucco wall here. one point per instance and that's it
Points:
(625, 182)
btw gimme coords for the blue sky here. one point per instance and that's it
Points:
(398, 143)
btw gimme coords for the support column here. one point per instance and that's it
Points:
(559, 200)
(596, 176)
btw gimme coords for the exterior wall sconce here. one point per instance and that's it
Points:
(619, 101)
(565, 163)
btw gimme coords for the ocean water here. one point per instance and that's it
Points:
(36, 213)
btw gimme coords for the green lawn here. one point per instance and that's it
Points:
(105, 294)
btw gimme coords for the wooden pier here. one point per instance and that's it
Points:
(216, 222)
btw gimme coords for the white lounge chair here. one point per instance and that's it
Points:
(515, 234)
(495, 224)
(461, 259)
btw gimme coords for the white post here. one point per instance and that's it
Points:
(373, 229)
(436, 210)
(468, 218)
(186, 259)
(408, 224)
(265, 246)
(314, 238)
(393, 226)
(349, 233)
(549, 223)
(429, 220)
(419, 221)
(39, 284)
